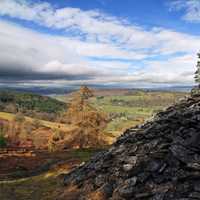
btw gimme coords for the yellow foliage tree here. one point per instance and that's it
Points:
(89, 120)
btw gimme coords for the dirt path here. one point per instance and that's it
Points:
(46, 186)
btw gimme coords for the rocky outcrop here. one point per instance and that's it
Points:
(159, 161)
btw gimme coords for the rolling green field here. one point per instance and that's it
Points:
(130, 108)
(133, 109)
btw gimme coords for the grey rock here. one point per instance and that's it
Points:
(158, 161)
(131, 181)
(127, 167)
(131, 160)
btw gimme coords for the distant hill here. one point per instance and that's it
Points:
(40, 90)
(68, 89)
(30, 104)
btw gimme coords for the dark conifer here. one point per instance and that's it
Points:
(197, 73)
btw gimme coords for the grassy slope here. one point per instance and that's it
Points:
(135, 108)
(30, 101)
(52, 125)
(45, 186)
(39, 187)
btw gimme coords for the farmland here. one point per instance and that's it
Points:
(128, 108)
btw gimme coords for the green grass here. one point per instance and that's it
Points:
(40, 187)
(83, 154)
(134, 108)
(128, 110)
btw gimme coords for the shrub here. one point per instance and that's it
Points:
(3, 142)
(197, 73)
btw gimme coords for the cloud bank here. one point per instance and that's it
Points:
(89, 47)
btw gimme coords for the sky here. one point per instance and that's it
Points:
(126, 43)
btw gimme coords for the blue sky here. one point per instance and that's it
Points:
(151, 13)
(105, 42)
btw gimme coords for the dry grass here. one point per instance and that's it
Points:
(52, 125)
(42, 187)
(48, 185)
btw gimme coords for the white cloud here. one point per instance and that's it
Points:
(177, 70)
(190, 7)
(173, 70)
(95, 26)
(94, 34)
(75, 69)
(26, 50)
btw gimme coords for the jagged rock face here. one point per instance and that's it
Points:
(159, 161)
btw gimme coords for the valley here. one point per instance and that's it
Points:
(99, 100)
(44, 150)
(127, 108)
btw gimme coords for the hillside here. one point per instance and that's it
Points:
(78, 126)
(160, 161)
(126, 108)
(39, 177)
(82, 125)
(53, 125)
(40, 133)
(30, 104)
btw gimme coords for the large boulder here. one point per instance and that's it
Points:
(159, 161)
